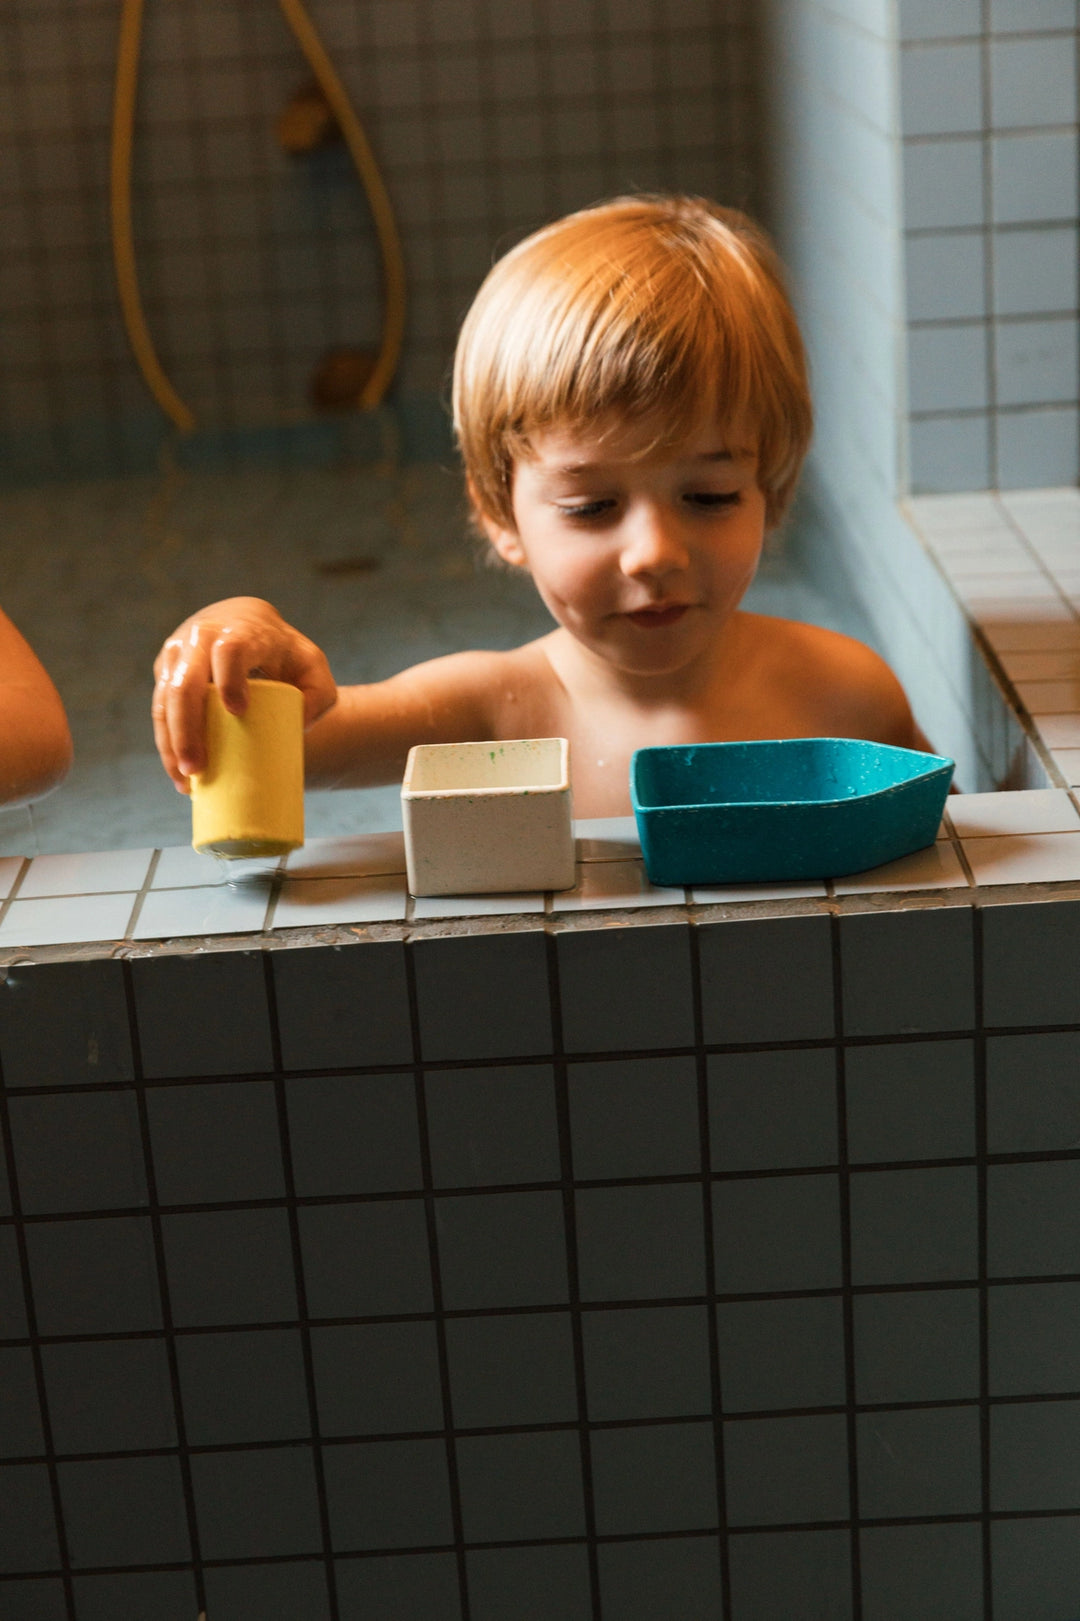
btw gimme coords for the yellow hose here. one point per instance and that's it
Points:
(393, 329)
(127, 73)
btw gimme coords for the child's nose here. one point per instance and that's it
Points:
(654, 546)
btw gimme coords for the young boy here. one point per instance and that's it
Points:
(631, 403)
(35, 743)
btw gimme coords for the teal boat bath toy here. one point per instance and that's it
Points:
(804, 807)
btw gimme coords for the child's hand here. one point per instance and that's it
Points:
(226, 643)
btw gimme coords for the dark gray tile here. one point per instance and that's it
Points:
(502, 1249)
(354, 1134)
(229, 1266)
(930, 1571)
(773, 1110)
(379, 1379)
(388, 1494)
(1035, 1456)
(252, 1505)
(94, 1277)
(41, 1600)
(634, 1117)
(529, 1584)
(483, 997)
(1034, 1347)
(1032, 1092)
(27, 1524)
(767, 979)
(493, 1125)
(109, 1396)
(626, 988)
(517, 1488)
(786, 1470)
(366, 1259)
(924, 1461)
(1036, 1565)
(640, 1581)
(511, 1369)
(167, 1595)
(917, 1345)
(215, 1143)
(296, 1589)
(782, 1574)
(911, 1100)
(777, 1232)
(246, 1386)
(5, 1186)
(1033, 1219)
(1028, 958)
(124, 1511)
(654, 1477)
(640, 1243)
(64, 1024)
(908, 972)
(339, 1006)
(20, 1416)
(12, 1302)
(202, 1015)
(917, 1226)
(78, 1151)
(650, 1362)
(781, 1353)
(394, 1586)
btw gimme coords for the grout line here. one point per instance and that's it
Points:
(157, 1236)
(847, 1296)
(137, 904)
(299, 1282)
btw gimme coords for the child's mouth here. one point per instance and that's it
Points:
(655, 618)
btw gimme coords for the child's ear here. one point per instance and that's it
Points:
(503, 541)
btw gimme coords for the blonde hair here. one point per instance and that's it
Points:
(661, 308)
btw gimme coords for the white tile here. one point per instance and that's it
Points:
(96, 873)
(9, 871)
(936, 867)
(1023, 632)
(218, 909)
(305, 902)
(1031, 810)
(1049, 697)
(429, 906)
(181, 867)
(614, 883)
(1060, 731)
(1012, 562)
(1042, 666)
(369, 853)
(1019, 585)
(1068, 763)
(607, 838)
(1038, 858)
(70, 920)
(944, 514)
(758, 892)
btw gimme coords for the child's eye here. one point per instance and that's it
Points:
(710, 499)
(582, 511)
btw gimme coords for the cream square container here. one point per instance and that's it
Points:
(485, 818)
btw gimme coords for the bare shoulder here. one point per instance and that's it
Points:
(849, 688)
(466, 694)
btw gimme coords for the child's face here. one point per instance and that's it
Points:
(642, 558)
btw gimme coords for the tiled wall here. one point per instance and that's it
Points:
(988, 115)
(488, 119)
(716, 1268)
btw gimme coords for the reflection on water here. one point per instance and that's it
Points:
(98, 574)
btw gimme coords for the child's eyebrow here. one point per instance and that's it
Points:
(574, 469)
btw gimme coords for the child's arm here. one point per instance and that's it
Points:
(356, 736)
(35, 743)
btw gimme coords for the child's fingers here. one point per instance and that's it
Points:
(312, 675)
(184, 707)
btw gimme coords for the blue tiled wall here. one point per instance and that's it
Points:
(714, 1269)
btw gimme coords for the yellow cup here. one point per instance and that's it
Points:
(250, 799)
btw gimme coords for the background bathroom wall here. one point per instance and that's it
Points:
(488, 117)
(988, 115)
